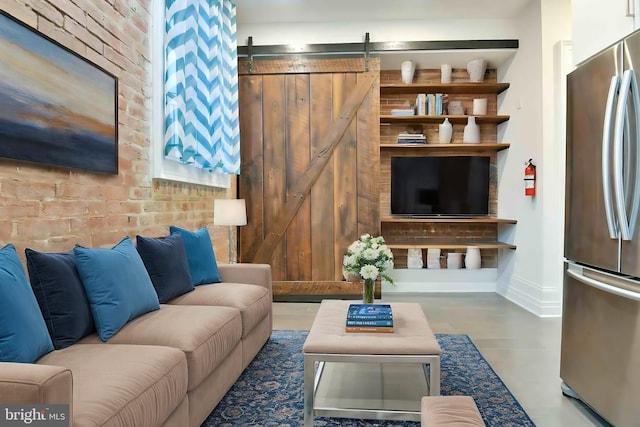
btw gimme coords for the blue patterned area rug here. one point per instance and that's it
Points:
(269, 393)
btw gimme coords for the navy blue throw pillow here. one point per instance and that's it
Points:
(61, 296)
(166, 262)
(200, 257)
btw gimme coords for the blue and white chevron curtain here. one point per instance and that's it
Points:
(201, 85)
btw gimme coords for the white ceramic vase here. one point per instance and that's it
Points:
(476, 69)
(471, 131)
(472, 259)
(480, 106)
(445, 131)
(407, 68)
(445, 73)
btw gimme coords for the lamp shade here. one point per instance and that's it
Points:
(229, 212)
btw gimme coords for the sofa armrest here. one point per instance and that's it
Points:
(251, 274)
(26, 383)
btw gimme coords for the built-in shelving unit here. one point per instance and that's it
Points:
(448, 234)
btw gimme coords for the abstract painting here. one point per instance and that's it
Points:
(56, 108)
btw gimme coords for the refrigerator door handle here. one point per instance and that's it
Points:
(603, 286)
(634, 115)
(606, 157)
(629, 84)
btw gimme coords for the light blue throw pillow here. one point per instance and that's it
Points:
(23, 334)
(200, 256)
(117, 284)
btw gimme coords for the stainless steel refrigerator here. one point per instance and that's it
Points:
(600, 358)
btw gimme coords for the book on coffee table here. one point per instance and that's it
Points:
(369, 318)
(386, 329)
(369, 312)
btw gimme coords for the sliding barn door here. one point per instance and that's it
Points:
(309, 132)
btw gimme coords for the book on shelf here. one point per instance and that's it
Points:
(411, 138)
(384, 329)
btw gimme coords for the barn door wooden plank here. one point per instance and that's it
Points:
(274, 180)
(298, 245)
(322, 221)
(313, 171)
(368, 161)
(344, 188)
(250, 180)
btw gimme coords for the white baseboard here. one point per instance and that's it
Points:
(538, 300)
(441, 280)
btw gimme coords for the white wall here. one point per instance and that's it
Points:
(379, 31)
(532, 275)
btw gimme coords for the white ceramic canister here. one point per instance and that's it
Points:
(471, 131)
(480, 106)
(407, 68)
(445, 131)
(472, 259)
(454, 260)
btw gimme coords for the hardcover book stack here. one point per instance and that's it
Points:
(369, 318)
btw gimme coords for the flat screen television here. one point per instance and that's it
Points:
(440, 186)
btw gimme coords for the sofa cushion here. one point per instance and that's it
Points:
(205, 334)
(117, 284)
(23, 333)
(61, 296)
(253, 301)
(166, 262)
(200, 256)
(123, 385)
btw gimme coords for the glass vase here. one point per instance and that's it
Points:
(368, 287)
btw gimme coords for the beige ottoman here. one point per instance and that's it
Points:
(450, 411)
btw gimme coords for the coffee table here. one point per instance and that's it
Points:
(412, 342)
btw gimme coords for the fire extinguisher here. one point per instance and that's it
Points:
(530, 178)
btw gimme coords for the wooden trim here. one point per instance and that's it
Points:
(479, 220)
(449, 147)
(438, 119)
(303, 186)
(449, 245)
(455, 88)
(321, 289)
(306, 65)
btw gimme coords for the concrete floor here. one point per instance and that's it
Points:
(522, 348)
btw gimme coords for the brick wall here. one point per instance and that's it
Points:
(51, 209)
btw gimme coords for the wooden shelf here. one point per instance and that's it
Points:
(457, 88)
(478, 220)
(449, 245)
(438, 119)
(462, 147)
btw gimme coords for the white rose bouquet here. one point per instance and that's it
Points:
(368, 258)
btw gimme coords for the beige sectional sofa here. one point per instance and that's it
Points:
(168, 367)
